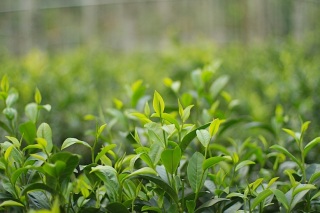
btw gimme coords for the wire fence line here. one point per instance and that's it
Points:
(132, 24)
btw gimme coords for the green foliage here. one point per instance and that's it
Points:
(193, 148)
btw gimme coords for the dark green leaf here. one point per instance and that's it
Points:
(29, 131)
(117, 208)
(35, 187)
(210, 203)
(195, 172)
(171, 159)
(161, 184)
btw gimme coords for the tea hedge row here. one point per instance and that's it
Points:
(198, 153)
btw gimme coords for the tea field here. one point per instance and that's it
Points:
(197, 128)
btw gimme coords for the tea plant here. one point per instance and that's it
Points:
(150, 154)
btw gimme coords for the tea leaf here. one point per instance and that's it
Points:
(171, 159)
(281, 198)
(5, 83)
(36, 186)
(11, 203)
(158, 104)
(291, 133)
(287, 153)
(12, 98)
(260, 198)
(37, 96)
(14, 141)
(116, 207)
(142, 171)
(214, 127)
(305, 126)
(210, 203)
(204, 137)
(314, 177)
(211, 162)
(218, 85)
(195, 172)
(28, 131)
(272, 181)
(243, 164)
(162, 185)
(190, 136)
(70, 141)
(31, 111)
(310, 145)
(191, 205)
(103, 151)
(45, 132)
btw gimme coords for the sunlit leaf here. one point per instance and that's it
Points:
(70, 141)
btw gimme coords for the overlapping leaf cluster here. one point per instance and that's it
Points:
(152, 155)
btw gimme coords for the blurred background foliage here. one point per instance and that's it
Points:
(84, 54)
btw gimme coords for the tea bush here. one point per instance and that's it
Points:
(194, 149)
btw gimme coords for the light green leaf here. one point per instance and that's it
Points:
(11, 203)
(310, 145)
(204, 137)
(8, 152)
(214, 126)
(70, 141)
(101, 128)
(287, 153)
(243, 164)
(236, 194)
(314, 177)
(260, 198)
(212, 161)
(218, 85)
(272, 181)
(142, 171)
(14, 140)
(31, 111)
(316, 195)
(304, 127)
(281, 198)
(12, 97)
(158, 103)
(37, 96)
(190, 136)
(5, 83)
(147, 109)
(142, 117)
(103, 151)
(291, 133)
(45, 132)
(42, 142)
(33, 146)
